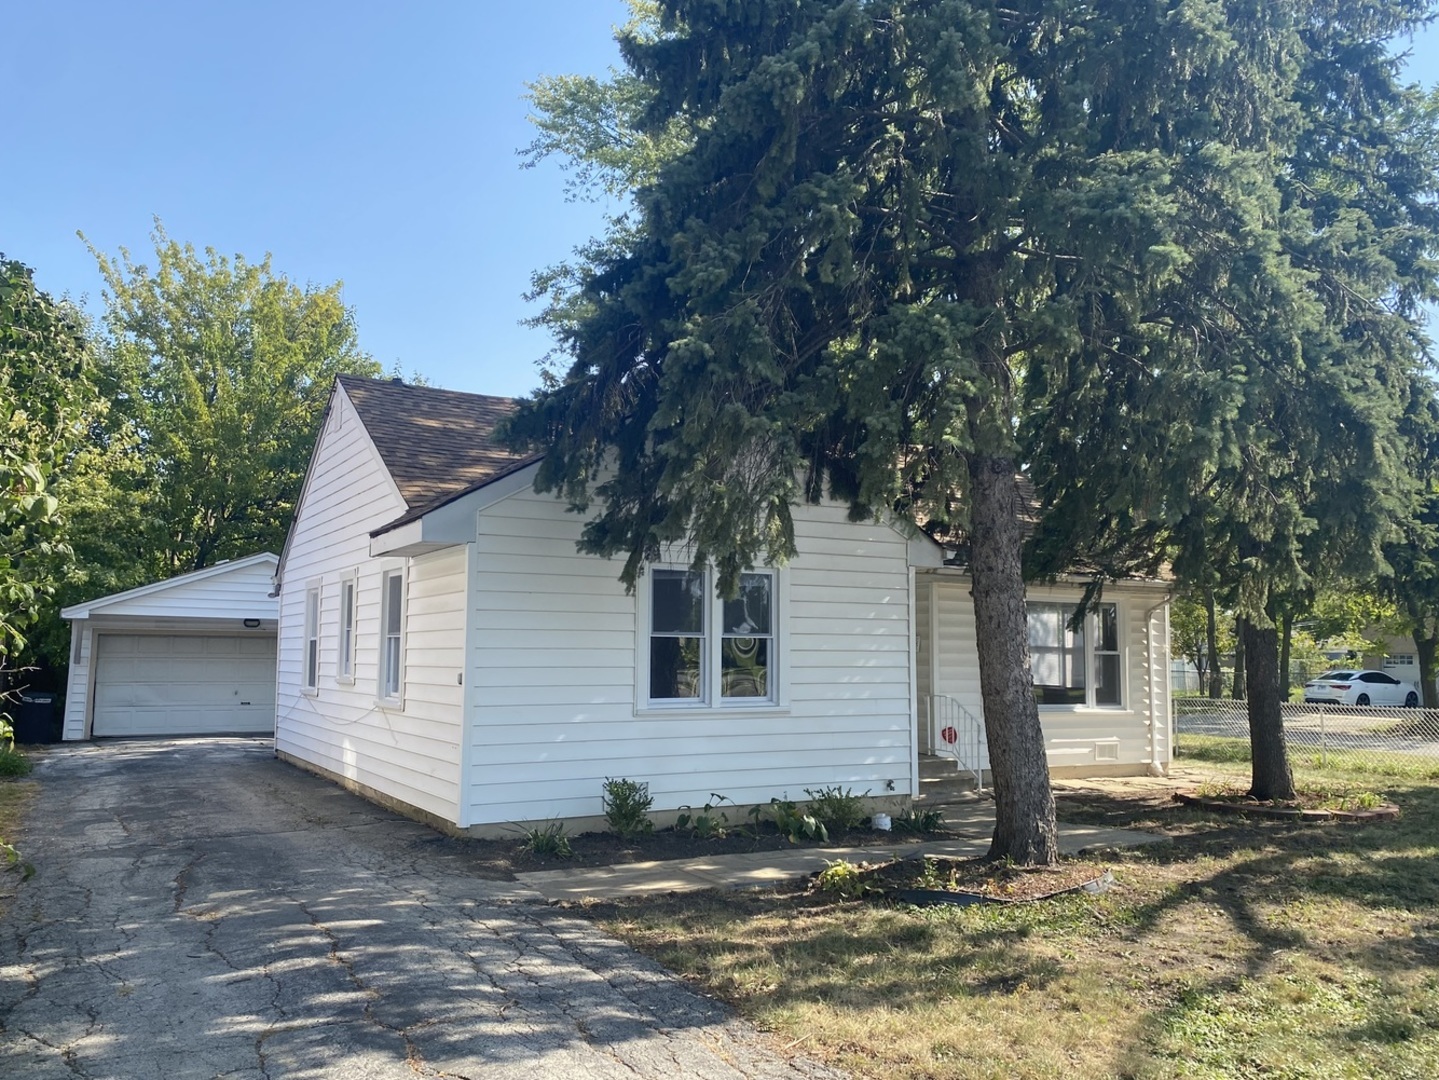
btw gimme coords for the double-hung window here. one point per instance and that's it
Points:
(708, 650)
(312, 638)
(1075, 666)
(346, 661)
(392, 635)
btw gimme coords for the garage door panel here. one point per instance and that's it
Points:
(157, 684)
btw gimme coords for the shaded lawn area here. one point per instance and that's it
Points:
(1240, 949)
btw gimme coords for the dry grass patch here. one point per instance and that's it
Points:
(15, 796)
(1242, 949)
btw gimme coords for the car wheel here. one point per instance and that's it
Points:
(1362, 699)
(1411, 700)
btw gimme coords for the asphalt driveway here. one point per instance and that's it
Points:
(202, 910)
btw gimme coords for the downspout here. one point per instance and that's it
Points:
(1156, 767)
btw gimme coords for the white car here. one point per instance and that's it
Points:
(1360, 688)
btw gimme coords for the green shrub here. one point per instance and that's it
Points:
(707, 823)
(918, 823)
(839, 809)
(548, 840)
(843, 878)
(13, 763)
(627, 805)
(792, 823)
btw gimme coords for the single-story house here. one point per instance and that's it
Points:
(444, 649)
(192, 655)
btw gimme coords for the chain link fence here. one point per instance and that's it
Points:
(1354, 738)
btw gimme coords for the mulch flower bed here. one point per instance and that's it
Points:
(962, 882)
(607, 849)
(1308, 807)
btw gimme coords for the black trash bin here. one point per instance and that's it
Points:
(34, 716)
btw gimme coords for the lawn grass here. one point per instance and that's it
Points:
(1240, 949)
(1229, 751)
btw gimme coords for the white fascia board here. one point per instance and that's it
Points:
(85, 610)
(454, 522)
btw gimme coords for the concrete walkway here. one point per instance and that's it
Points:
(974, 820)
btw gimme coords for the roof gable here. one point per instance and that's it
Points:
(434, 443)
(234, 589)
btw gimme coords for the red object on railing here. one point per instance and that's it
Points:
(949, 735)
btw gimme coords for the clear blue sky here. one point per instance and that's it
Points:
(373, 143)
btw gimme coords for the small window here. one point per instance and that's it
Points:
(312, 638)
(347, 630)
(392, 644)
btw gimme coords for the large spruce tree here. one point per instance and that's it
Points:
(902, 249)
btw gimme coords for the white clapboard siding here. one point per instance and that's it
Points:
(242, 594)
(1073, 737)
(77, 694)
(409, 752)
(553, 662)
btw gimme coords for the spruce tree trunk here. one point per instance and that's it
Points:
(1024, 829)
(1211, 634)
(1270, 776)
(1426, 645)
(1239, 676)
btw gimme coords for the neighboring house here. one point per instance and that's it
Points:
(192, 655)
(445, 649)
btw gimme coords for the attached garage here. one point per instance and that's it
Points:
(194, 655)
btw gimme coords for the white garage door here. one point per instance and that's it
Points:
(161, 684)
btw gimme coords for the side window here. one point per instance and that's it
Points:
(392, 635)
(346, 659)
(312, 638)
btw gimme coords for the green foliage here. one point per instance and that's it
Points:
(216, 371)
(1169, 267)
(10, 860)
(932, 877)
(918, 822)
(707, 823)
(549, 840)
(13, 763)
(792, 822)
(627, 805)
(845, 879)
(47, 399)
(839, 809)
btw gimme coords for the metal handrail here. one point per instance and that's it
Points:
(956, 732)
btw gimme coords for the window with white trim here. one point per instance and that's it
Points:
(312, 638)
(707, 650)
(1075, 667)
(392, 635)
(346, 662)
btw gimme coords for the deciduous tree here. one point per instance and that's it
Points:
(47, 397)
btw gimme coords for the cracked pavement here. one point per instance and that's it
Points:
(200, 909)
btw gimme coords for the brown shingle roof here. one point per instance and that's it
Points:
(435, 443)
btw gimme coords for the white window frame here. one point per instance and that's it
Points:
(711, 699)
(391, 691)
(349, 612)
(310, 656)
(1091, 667)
